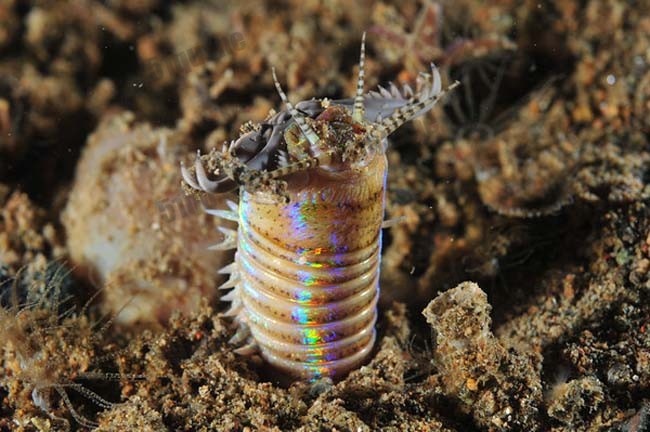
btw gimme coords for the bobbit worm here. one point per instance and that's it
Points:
(304, 283)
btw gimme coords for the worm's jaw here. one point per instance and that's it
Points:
(344, 144)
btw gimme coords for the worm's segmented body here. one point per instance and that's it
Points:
(306, 271)
(309, 284)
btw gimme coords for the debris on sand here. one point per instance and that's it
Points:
(497, 385)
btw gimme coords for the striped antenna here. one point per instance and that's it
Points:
(359, 109)
(414, 108)
(301, 165)
(309, 133)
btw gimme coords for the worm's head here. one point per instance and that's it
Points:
(344, 143)
(343, 137)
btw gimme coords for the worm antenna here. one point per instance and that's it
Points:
(359, 109)
(309, 133)
(301, 165)
(418, 105)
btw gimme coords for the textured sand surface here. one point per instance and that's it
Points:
(523, 206)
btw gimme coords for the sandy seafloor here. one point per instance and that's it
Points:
(523, 234)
